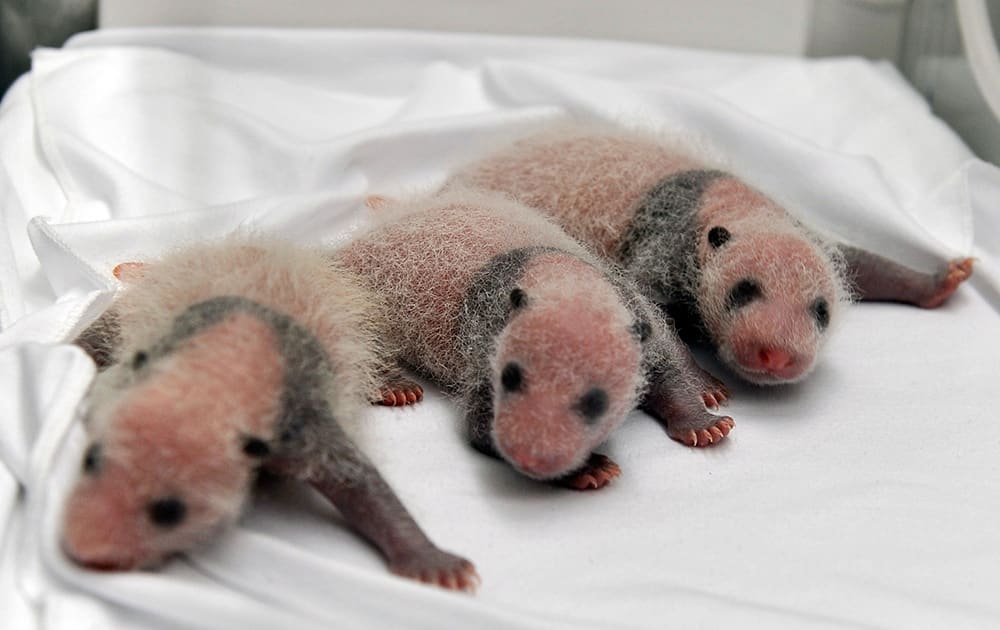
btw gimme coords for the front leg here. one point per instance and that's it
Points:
(675, 403)
(395, 389)
(322, 454)
(876, 278)
(679, 390)
(593, 475)
(596, 473)
(714, 392)
(371, 507)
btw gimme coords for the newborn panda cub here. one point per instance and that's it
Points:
(720, 255)
(223, 360)
(547, 350)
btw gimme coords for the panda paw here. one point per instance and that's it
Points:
(595, 474)
(438, 568)
(958, 271)
(711, 434)
(714, 392)
(398, 393)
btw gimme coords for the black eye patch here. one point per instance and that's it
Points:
(742, 293)
(92, 459)
(167, 512)
(140, 359)
(642, 330)
(256, 447)
(512, 377)
(820, 311)
(718, 236)
(593, 404)
(518, 298)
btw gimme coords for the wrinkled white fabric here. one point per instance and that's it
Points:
(865, 497)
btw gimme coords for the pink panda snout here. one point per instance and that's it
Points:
(557, 399)
(772, 343)
(540, 465)
(774, 361)
(538, 433)
(120, 518)
(768, 301)
(98, 531)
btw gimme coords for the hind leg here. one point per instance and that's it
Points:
(877, 278)
(370, 506)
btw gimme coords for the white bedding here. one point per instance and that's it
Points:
(866, 497)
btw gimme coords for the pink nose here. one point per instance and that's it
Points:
(540, 465)
(99, 561)
(774, 359)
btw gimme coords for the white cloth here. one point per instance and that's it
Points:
(865, 497)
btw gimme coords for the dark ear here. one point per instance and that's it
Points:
(92, 459)
(139, 359)
(743, 292)
(256, 447)
(512, 377)
(518, 298)
(641, 330)
(820, 310)
(718, 236)
(167, 512)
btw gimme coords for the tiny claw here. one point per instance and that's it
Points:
(399, 392)
(712, 434)
(469, 583)
(596, 473)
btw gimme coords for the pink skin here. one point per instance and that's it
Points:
(396, 392)
(569, 178)
(437, 295)
(181, 434)
(592, 181)
(567, 343)
(773, 339)
(166, 437)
